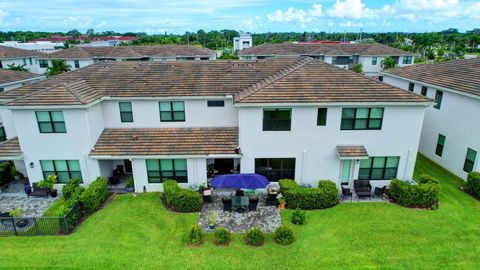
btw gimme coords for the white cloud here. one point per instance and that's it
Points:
(296, 15)
(353, 9)
(316, 10)
(428, 5)
(474, 10)
(3, 15)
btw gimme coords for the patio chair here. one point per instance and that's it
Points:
(252, 204)
(346, 192)
(239, 193)
(271, 201)
(36, 191)
(227, 204)
(379, 191)
(362, 185)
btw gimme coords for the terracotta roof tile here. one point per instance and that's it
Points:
(353, 151)
(9, 76)
(10, 148)
(12, 53)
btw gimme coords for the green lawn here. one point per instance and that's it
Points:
(137, 232)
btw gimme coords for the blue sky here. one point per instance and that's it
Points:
(158, 16)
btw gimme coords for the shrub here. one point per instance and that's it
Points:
(70, 188)
(298, 217)
(423, 195)
(222, 236)
(255, 237)
(287, 184)
(425, 178)
(49, 182)
(283, 235)
(129, 183)
(180, 199)
(196, 235)
(357, 68)
(5, 173)
(95, 195)
(473, 183)
(325, 196)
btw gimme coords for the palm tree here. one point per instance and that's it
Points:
(58, 67)
(388, 63)
(17, 68)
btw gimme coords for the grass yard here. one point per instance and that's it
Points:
(138, 233)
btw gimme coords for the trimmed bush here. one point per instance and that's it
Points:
(473, 183)
(94, 196)
(222, 236)
(283, 235)
(255, 237)
(422, 195)
(425, 178)
(70, 188)
(196, 235)
(287, 184)
(298, 217)
(180, 199)
(296, 197)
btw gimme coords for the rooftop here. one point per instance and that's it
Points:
(10, 149)
(461, 75)
(13, 53)
(9, 76)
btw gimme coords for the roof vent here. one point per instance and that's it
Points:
(135, 138)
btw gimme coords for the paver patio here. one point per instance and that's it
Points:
(33, 206)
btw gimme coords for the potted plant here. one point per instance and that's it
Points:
(18, 212)
(129, 186)
(49, 183)
(281, 202)
(16, 174)
(212, 219)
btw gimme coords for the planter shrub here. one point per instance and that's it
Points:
(287, 184)
(298, 217)
(283, 235)
(255, 237)
(425, 178)
(70, 188)
(180, 199)
(473, 183)
(196, 235)
(94, 196)
(423, 195)
(325, 196)
(222, 236)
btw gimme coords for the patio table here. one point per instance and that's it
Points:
(240, 203)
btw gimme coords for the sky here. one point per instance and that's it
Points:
(256, 16)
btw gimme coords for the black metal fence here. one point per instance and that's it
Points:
(32, 226)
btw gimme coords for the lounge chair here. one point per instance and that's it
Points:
(227, 204)
(36, 191)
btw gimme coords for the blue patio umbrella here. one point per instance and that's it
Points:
(247, 181)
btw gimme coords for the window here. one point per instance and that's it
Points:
(276, 119)
(64, 169)
(43, 63)
(3, 135)
(275, 168)
(159, 170)
(374, 61)
(76, 63)
(51, 122)
(204, 58)
(172, 111)
(322, 117)
(411, 86)
(24, 61)
(30, 61)
(378, 168)
(470, 160)
(215, 103)
(407, 60)
(380, 78)
(2, 89)
(334, 60)
(126, 114)
(350, 59)
(438, 100)
(424, 91)
(361, 118)
(440, 145)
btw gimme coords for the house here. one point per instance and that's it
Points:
(79, 57)
(450, 134)
(244, 41)
(291, 117)
(40, 46)
(344, 55)
(28, 58)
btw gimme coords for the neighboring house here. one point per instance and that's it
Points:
(450, 134)
(40, 46)
(284, 118)
(10, 55)
(344, 55)
(79, 57)
(244, 41)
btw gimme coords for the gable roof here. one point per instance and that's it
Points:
(461, 75)
(295, 49)
(10, 76)
(10, 149)
(276, 80)
(13, 53)
(130, 52)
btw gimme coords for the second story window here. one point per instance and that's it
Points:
(374, 61)
(3, 135)
(277, 119)
(43, 63)
(407, 60)
(51, 122)
(126, 113)
(470, 160)
(172, 111)
(424, 91)
(322, 117)
(216, 103)
(334, 60)
(76, 63)
(362, 119)
(438, 99)
(411, 86)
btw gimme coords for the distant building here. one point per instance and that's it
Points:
(244, 41)
(28, 58)
(38, 46)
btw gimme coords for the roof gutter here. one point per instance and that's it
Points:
(25, 80)
(343, 104)
(108, 157)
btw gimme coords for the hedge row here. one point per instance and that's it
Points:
(94, 196)
(473, 183)
(180, 199)
(423, 195)
(296, 197)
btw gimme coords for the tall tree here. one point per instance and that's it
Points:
(388, 62)
(59, 66)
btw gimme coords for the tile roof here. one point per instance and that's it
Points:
(284, 80)
(461, 75)
(10, 76)
(294, 49)
(13, 53)
(166, 141)
(351, 151)
(10, 149)
(130, 52)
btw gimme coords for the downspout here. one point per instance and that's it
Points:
(90, 146)
(406, 164)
